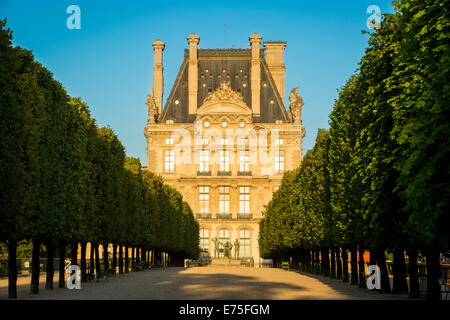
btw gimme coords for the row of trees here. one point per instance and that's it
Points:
(379, 179)
(65, 182)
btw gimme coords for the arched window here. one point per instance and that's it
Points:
(204, 239)
(244, 242)
(224, 236)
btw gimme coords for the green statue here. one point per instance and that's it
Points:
(236, 248)
(227, 248)
(216, 246)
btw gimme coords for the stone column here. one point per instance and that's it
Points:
(255, 75)
(275, 62)
(193, 41)
(158, 81)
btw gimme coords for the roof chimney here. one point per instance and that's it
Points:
(275, 62)
(193, 41)
(158, 81)
(255, 75)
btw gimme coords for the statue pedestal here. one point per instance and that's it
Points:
(225, 262)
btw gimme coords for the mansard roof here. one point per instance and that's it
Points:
(216, 66)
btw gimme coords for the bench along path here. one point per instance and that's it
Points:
(212, 282)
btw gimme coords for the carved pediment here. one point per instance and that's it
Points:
(224, 100)
(224, 92)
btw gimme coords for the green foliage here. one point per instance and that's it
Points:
(63, 180)
(380, 178)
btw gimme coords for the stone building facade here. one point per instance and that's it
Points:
(224, 137)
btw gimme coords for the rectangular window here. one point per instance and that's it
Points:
(244, 163)
(169, 140)
(224, 199)
(204, 160)
(224, 157)
(169, 161)
(224, 141)
(204, 239)
(279, 141)
(244, 241)
(204, 141)
(244, 199)
(279, 161)
(203, 199)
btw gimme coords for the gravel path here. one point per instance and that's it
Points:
(212, 282)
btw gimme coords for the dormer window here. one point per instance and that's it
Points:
(169, 121)
(278, 121)
(177, 101)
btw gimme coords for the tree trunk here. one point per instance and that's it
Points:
(313, 261)
(114, 259)
(333, 263)
(433, 274)
(344, 265)
(400, 286)
(307, 258)
(361, 268)
(132, 258)
(127, 262)
(381, 262)
(62, 260)
(83, 262)
(414, 287)
(35, 267)
(373, 257)
(325, 265)
(98, 272)
(353, 265)
(137, 256)
(338, 263)
(105, 259)
(143, 257)
(317, 261)
(73, 253)
(92, 259)
(120, 259)
(12, 269)
(50, 270)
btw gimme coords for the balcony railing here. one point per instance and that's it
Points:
(244, 216)
(203, 173)
(225, 216)
(203, 215)
(224, 173)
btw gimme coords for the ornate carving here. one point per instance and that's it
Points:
(295, 106)
(224, 92)
(152, 109)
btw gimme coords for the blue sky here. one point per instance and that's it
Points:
(108, 62)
